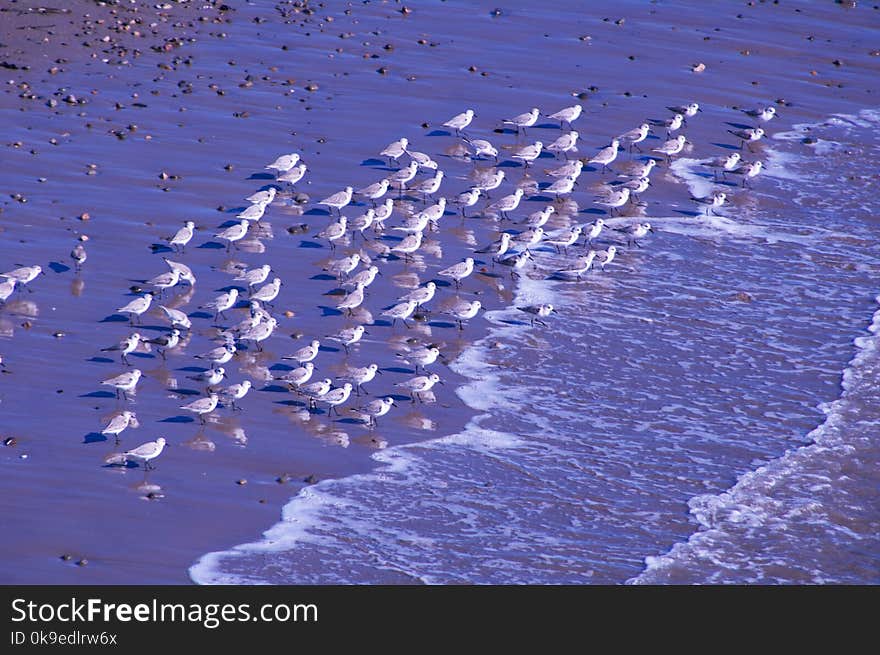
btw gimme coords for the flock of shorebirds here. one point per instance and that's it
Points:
(416, 185)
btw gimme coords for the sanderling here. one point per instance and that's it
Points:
(565, 143)
(748, 136)
(348, 336)
(284, 163)
(374, 191)
(254, 276)
(687, 111)
(459, 271)
(364, 278)
(183, 236)
(268, 292)
(672, 124)
(339, 199)
(222, 302)
(128, 345)
(725, 164)
(165, 280)
(298, 376)
(146, 452)
(178, 318)
(615, 199)
(398, 179)
(400, 312)
(420, 295)
(635, 232)
(711, 203)
(606, 155)
(294, 175)
(568, 237)
(529, 237)
(315, 390)
(568, 169)
(482, 148)
(124, 382)
(342, 267)
(579, 266)
(306, 353)
(528, 154)
(594, 230)
(538, 312)
(464, 310)
(336, 397)
(254, 212)
(219, 355)
(409, 245)
(540, 218)
(119, 423)
(360, 376)
(507, 203)
(376, 408)
(468, 198)
(524, 120)
(24, 275)
(202, 406)
(435, 212)
(498, 247)
(353, 300)
(363, 222)
(637, 186)
(672, 147)
(211, 377)
(185, 272)
(430, 186)
(764, 115)
(749, 170)
(567, 115)
(233, 233)
(638, 169)
(334, 231)
(423, 160)
(461, 121)
(490, 182)
(260, 332)
(236, 392)
(383, 213)
(395, 150)
(79, 256)
(137, 307)
(266, 196)
(420, 357)
(165, 342)
(606, 256)
(561, 187)
(419, 385)
(636, 136)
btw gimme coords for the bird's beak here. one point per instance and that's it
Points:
(379, 371)
(554, 311)
(650, 229)
(440, 382)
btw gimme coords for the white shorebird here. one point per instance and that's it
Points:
(79, 256)
(399, 179)
(561, 187)
(183, 236)
(352, 300)
(507, 203)
(315, 390)
(361, 223)
(764, 114)
(202, 406)
(529, 237)
(523, 121)
(467, 199)
(528, 154)
(165, 280)
(360, 376)
(458, 272)
(219, 355)
(374, 191)
(637, 186)
(376, 408)
(614, 200)
(7, 286)
(686, 111)
(749, 136)
(284, 163)
(222, 302)
(409, 245)
(490, 182)
(711, 203)
(565, 143)
(567, 115)
(400, 312)
(420, 357)
(383, 213)
(568, 237)
(306, 353)
(430, 186)
(638, 169)
(635, 136)
(254, 276)
(177, 318)
(348, 336)
(749, 170)
(538, 312)
(260, 332)
(298, 376)
(672, 124)
(568, 169)
(268, 292)
(435, 212)
(186, 274)
(338, 200)
(233, 233)
(124, 382)
(606, 155)
(423, 160)
(461, 121)
(24, 275)
(236, 392)
(211, 377)
(498, 247)
(635, 232)
(165, 342)
(146, 452)
(294, 175)
(725, 164)
(119, 423)
(540, 218)
(672, 147)
(419, 385)
(364, 278)
(464, 310)
(334, 231)
(254, 212)
(420, 295)
(579, 266)
(395, 150)
(342, 267)
(606, 256)
(595, 229)
(482, 148)
(265, 196)
(137, 307)
(336, 397)
(128, 345)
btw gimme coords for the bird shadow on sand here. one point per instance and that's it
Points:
(211, 245)
(178, 419)
(98, 394)
(94, 437)
(726, 146)
(310, 244)
(686, 212)
(58, 267)
(261, 176)
(329, 311)
(114, 318)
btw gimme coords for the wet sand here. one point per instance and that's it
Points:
(182, 131)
